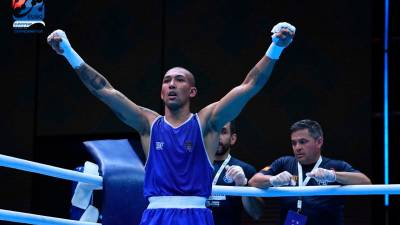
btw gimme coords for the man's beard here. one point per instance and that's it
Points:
(222, 149)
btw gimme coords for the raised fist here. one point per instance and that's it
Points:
(58, 41)
(283, 33)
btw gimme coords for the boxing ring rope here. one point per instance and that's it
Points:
(52, 171)
(25, 165)
(12, 162)
(307, 190)
(19, 217)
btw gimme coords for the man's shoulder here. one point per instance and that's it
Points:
(286, 159)
(206, 119)
(284, 163)
(329, 163)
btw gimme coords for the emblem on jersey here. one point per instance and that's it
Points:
(159, 145)
(188, 146)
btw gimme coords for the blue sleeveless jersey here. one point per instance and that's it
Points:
(177, 164)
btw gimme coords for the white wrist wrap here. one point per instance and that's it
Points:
(274, 51)
(73, 58)
(83, 192)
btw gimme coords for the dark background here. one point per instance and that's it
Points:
(332, 73)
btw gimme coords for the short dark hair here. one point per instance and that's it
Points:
(312, 126)
(232, 127)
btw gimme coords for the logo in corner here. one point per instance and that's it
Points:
(28, 16)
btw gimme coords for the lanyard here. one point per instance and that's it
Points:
(305, 182)
(221, 169)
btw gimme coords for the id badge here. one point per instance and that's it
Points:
(294, 218)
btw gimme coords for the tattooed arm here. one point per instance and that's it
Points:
(135, 116)
(228, 108)
(214, 116)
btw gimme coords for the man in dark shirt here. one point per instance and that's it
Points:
(308, 168)
(229, 171)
